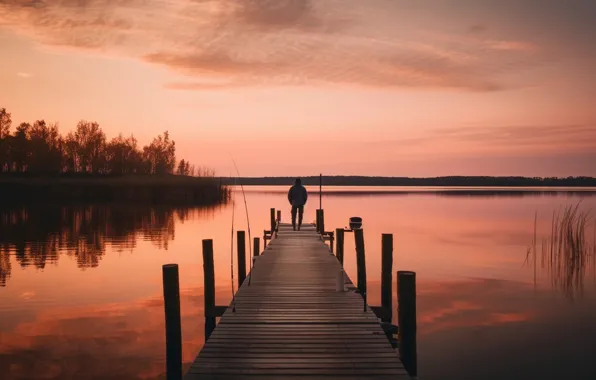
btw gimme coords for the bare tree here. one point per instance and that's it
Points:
(88, 142)
(161, 154)
(5, 123)
(5, 140)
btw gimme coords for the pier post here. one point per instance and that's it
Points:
(171, 295)
(318, 220)
(208, 287)
(279, 215)
(241, 247)
(387, 276)
(273, 223)
(406, 320)
(322, 222)
(339, 245)
(256, 246)
(360, 259)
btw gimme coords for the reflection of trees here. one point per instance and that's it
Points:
(566, 255)
(5, 266)
(36, 236)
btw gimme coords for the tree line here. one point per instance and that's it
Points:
(39, 148)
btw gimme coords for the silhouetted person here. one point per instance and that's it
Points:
(297, 196)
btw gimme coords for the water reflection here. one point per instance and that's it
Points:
(477, 304)
(122, 340)
(37, 236)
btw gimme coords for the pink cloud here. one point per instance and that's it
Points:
(265, 42)
(519, 46)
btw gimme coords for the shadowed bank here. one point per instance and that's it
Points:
(169, 189)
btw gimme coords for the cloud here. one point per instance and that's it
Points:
(532, 138)
(514, 46)
(191, 86)
(561, 138)
(477, 29)
(282, 14)
(24, 75)
(269, 42)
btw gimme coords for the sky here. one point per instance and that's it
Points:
(301, 87)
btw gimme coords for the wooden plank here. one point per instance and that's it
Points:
(290, 322)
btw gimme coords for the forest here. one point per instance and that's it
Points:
(38, 148)
(38, 164)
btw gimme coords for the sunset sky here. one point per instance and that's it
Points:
(298, 87)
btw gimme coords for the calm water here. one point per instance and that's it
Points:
(81, 296)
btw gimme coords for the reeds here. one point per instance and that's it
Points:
(567, 254)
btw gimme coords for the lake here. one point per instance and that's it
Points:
(81, 290)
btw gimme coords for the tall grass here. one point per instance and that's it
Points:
(567, 254)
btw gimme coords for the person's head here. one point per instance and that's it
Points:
(297, 181)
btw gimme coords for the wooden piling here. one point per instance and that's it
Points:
(171, 295)
(339, 245)
(406, 316)
(322, 222)
(241, 248)
(273, 222)
(360, 259)
(208, 287)
(318, 220)
(386, 276)
(278, 216)
(256, 246)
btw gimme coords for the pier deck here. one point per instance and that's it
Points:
(290, 322)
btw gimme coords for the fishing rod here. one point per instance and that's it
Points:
(232, 251)
(247, 216)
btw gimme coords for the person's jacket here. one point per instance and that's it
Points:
(297, 195)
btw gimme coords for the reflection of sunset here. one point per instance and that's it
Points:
(130, 336)
(449, 305)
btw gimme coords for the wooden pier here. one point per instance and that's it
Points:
(291, 319)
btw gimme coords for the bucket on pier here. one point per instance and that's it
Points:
(355, 222)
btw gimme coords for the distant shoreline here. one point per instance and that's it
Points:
(451, 181)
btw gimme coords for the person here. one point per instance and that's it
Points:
(297, 196)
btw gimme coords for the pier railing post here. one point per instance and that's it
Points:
(278, 216)
(360, 259)
(322, 222)
(273, 222)
(241, 247)
(339, 245)
(256, 246)
(171, 295)
(387, 276)
(406, 320)
(208, 287)
(318, 220)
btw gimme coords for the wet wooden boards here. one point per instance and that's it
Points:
(290, 322)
